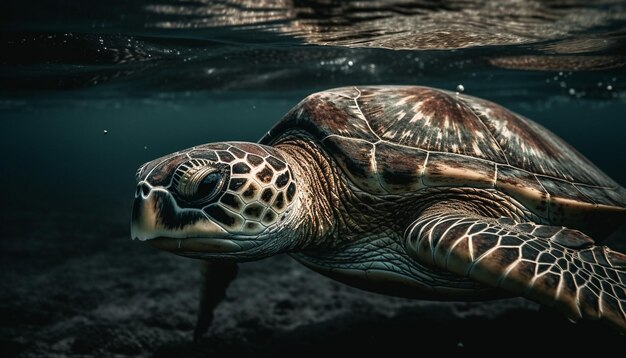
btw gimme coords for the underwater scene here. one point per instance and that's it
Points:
(90, 91)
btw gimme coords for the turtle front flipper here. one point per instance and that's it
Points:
(216, 277)
(552, 265)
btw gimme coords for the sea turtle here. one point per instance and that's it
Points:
(402, 190)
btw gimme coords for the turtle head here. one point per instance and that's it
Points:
(221, 201)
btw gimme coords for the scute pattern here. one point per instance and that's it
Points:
(428, 119)
(447, 170)
(529, 146)
(555, 266)
(401, 139)
(259, 183)
(400, 168)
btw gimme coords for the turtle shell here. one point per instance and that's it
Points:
(402, 139)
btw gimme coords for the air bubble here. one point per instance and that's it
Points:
(460, 88)
(105, 132)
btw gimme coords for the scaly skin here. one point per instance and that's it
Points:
(552, 265)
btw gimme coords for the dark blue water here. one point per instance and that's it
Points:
(91, 90)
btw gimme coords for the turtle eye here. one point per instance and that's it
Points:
(209, 185)
(197, 181)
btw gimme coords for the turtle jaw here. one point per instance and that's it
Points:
(157, 219)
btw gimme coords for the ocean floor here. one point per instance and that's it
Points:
(75, 285)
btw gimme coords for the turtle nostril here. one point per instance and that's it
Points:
(143, 189)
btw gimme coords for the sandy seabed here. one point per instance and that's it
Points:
(75, 285)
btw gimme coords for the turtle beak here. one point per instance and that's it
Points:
(144, 217)
(158, 219)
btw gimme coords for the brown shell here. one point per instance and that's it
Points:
(400, 139)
